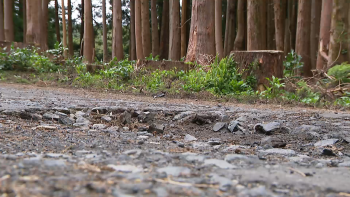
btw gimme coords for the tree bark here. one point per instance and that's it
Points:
(117, 48)
(64, 29)
(338, 32)
(44, 25)
(254, 31)
(88, 32)
(132, 31)
(146, 31)
(201, 47)
(230, 30)
(293, 23)
(82, 28)
(2, 30)
(279, 7)
(57, 22)
(70, 30)
(271, 41)
(138, 29)
(164, 32)
(8, 20)
(325, 27)
(263, 23)
(239, 41)
(175, 32)
(155, 32)
(302, 47)
(24, 20)
(104, 26)
(218, 29)
(287, 44)
(183, 28)
(34, 19)
(315, 30)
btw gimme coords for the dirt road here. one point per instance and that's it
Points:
(68, 142)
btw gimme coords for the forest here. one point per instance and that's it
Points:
(291, 51)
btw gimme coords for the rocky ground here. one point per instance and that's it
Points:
(56, 142)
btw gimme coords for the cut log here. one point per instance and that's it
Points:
(262, 64)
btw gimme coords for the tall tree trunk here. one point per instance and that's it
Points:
(175, 33)
(255, 39)
(239, 41)
(146, 31)
(34, 19)
(183, 28)
(155, 32)
(24, 20)
(230, 30)
(263, 23)
(64, 29)
(338, 32)
(201, 47)
(2, 33)
(293, 23)
(8, 22)
(132, 31)
(271, 43)
(44, 25)
(70, 30)
(287, 44)
(104, 31)
(280, 7)
(325, 27)
(117, 46)
(138, 29)
(88, 32)
(82, 28)
(164, 32)
(302, 47)
(57, 22)
(315, 30)
(218, 29)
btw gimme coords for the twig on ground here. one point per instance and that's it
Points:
(297, 171)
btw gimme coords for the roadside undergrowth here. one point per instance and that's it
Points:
(222, 80)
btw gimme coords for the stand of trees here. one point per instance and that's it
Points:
(196, 30)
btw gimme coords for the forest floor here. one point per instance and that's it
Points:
(74, 142)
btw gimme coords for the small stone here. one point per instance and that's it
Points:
(344, 164)
(30, 116)
(189, 138)
(142, 137)
(52, 163)
(175, 171)
(100, 110)
(214, 142)
(50, 116)
(182, 115)
(99, 126)
(158, 128)
(125, 168)
(125, 118)
(328, 152)
(277, 151)
(267, 129)
(80, 114)
(180, 144)
(145, 117)
(233, 126)
(273, 142)
(218, 126)
(327, 142)
(219, 163)
(106, 118)
(33, 161)
(319, 165)
(82, 120)
(195, 158)
(238, 157)
(66, 121)
(82, 152)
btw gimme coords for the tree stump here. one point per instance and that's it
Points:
(261, 64)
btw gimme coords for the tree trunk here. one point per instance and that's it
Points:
(239, 42)
(88, 32)
(338, 32)
(44, 25)
(175, 32)
(64, 29)
(146, 31)
(138, 29)
(8, 20)
(132, 31)
(315, 30)
(230, 30)
(24, 20)
(155, 35)
(325, 27)
(2, 33)
(82, 28)
(287, 44)
(279, 7)
(302, 47)
(271, 43)
(218, 29)
(255, 39)
(34, 19)
(293, 23)
(164, 32)
(70, 30)
(201, 47)
(263, 23)
(183, 28)
(57, 22)
(117, 48)
(104, 31)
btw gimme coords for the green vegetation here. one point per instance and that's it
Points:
(341, 72)
(221, 79)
